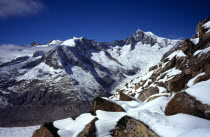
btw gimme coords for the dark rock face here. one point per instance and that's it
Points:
(187, 46)
(89, 130)
(201, 78)
(140, 36)
(178, 44)
(148, 92)
(130, 127)
(200, 30)
(153, 67)
(124, 97)
(178, 82)
(169, 65)
(15, 61)
(184, 103)
(33, 116)
(102, 104)
(46, 130)
(34, 44)
(38, 53)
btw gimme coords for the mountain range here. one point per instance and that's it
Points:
(61, 78)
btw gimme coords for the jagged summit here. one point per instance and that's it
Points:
(138, 30)
(138, 36)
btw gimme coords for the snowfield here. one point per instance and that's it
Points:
(71, 128)
(18, 131)
(200, 91)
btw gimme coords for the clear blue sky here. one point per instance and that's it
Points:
(24, 21)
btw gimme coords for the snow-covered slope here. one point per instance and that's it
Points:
(18, 131)
(151, 113)
(69, 74)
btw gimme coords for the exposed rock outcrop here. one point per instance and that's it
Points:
(105, 105)
(200, 30)
(130, 127)
(187, 46)
(124, 97)
(184, 103)
(89, 130)
(46, 130)
(178, 82)
(147, 93)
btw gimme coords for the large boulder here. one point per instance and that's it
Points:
(177, 83)
(89, 130)
(184, 103)
(187, 46)
(46, 130)
(171, 63)
(181, 63)
(201, 78)
(147, 93)
(105, 105)
(130, 127)
(200, 30)
(124, 97)
(207, 70)
(153, 67)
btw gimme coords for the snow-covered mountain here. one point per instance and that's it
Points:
(61, 78)
(170, 100)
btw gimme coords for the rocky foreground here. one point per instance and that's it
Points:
(171, 100)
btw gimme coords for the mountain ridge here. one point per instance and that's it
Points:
(49, 78)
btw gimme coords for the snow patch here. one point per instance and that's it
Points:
(70, 42)
(18, 131)
(207, 25)
(71, 128)
(203, 51)
(177, 53)
(195, 40)
(191, 82)
(41, 71)
(200, 91)
(173, 71)
(107, 122)
(55, 42)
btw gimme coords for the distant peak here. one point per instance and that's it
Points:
(75, 38)
(149, 33)
(71, 42)
(54, 42)
(139, 30)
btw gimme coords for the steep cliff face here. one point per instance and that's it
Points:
(60, 79)
(171, 99)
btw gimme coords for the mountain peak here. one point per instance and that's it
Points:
(54, 42)
(139, 30)
(149, 33)
(71, 42)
